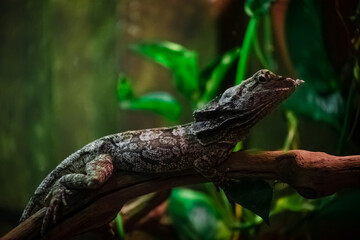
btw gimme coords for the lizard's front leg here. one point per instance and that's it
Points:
(97, 172)
(206, 166)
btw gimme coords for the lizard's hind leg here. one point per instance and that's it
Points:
(97, 172)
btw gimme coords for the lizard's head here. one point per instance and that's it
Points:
(263, 91)
(243, 105)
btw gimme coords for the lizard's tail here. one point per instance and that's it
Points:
(36, 202)
(32, 207)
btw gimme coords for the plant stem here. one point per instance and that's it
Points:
(292, 124)
(344, 131)
(259, 53)
(218, 74)
(268, 41)
(119, 226)
(244, 53)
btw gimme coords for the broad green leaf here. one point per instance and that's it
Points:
(195, 216)
(161, 103)
(216, 72)
(181, 61)
(319, 98)
(306, 45)
(254, 195)
(124, 88)
(295, 203)
(257, 7)
(326, 107)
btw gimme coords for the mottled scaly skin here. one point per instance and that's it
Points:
(202, 144)
(154, 150)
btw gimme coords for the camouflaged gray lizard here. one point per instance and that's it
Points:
(202, 144)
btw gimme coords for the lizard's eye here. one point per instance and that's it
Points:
(261, 79)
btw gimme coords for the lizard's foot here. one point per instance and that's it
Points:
(57, 198)
(220, 178)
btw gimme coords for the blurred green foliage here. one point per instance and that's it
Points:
(257, 7)
(213, 74)
(199, 88)
(196, 216)
(320, 96)
(181, 61)
(161, 103)
(296, 203)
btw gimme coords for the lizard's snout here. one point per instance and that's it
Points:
(298, 82)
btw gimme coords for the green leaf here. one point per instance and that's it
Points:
(297, 203)
(195, 216)
(216, 72)
(124, 88)
(161, 103)
(318, 98)
(306, 44)
(238, 146)
(254, 195)
(257, 7)
(180, 60)
(326, 107)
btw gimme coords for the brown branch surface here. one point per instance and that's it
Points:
(312, 174)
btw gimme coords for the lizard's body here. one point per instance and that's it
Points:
(171, 149)
(202, 144)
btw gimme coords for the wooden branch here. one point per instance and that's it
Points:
(312, 174)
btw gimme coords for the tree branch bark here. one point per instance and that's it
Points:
(312, 174)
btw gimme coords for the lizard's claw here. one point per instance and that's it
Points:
(59, 196)
(56, 198)
(48, 197)
(220, 178)
(64, 195)
(45, 223)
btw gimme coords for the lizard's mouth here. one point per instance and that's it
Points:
(295, 83)
(298, 82)
(290, 84)
(285, 86)
(275, 90)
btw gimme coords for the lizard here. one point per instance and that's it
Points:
(201, 145)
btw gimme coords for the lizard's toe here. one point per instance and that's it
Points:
(64, 195)
(46, 220)
(57, 198)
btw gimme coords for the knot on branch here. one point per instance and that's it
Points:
(313, 174)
